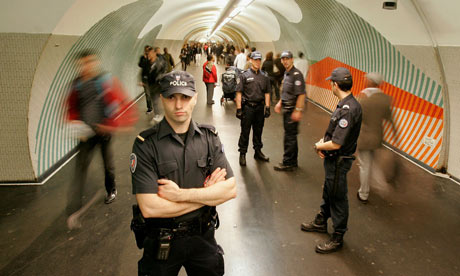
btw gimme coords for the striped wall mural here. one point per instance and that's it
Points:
(333, 35)
(115, 38)
(418, 122)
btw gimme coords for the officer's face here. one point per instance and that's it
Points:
(287, 62)
(178, 107)
(256, 64)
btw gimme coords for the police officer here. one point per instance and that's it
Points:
(337, 148)
(291, 104)
(253, 106)
(144, 64)
(179, 172)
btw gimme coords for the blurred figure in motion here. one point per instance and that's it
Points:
(88, 109)
(301, 64)
(157, 69)
(376, 108)
(169, 60)
(96, 104)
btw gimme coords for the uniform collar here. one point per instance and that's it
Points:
(252, 70)
(165, 129)
(344, 100)
(293, 69)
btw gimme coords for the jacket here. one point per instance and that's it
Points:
(209, 76)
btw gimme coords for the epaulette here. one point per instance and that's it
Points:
(209, 127)
(146, 133)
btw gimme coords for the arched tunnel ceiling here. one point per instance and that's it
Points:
(75, 17)
(257, 21)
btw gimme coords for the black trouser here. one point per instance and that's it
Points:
(199, 254)
(253, 116)
(291, 129)
(83, 160)
(147, 95)
(274, 89)
(336, 205)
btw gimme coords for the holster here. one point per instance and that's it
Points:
(138, 226)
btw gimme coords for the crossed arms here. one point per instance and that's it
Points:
(172, 201)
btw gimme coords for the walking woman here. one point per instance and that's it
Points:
(210, 78)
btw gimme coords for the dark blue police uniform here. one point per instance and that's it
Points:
(343, 129)
(254, 86)
(188, 160)
(293, 86)
(160, 153)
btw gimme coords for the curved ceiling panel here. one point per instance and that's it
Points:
(257, 21)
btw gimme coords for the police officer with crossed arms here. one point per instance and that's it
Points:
(179, 174)
(252, 107)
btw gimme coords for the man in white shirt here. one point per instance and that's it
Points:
(301, 64)
(240, 59)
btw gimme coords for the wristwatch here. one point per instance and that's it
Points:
(299, 109)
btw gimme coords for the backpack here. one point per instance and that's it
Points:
(229, 80)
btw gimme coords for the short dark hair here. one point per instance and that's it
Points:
(269, 56)
(209, 58)
(345, 85)
(253, 49)
(146, 47)
(300, 55)
(86, 53)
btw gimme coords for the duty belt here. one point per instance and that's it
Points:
(195, 226)
(253, 104)
(287, 105)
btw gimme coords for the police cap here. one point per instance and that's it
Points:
(340, 74)
(286, 54)
(177, 82)
(256, 55)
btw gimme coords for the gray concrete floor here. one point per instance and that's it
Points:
(409, 227)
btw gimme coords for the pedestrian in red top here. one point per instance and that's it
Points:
(210, 78)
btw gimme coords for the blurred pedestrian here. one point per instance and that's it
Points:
(376, 109)
(169, 60)
(92, 109)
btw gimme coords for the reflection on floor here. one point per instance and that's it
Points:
(408, 228)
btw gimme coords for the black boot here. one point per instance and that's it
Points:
(319, 224)
(332, 245)
(242, 159)
(282, 167)
(260, 156)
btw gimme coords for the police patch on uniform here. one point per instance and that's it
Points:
(132, 162)
(346, 106)
(237, 80)
(297, 82)
(343, 123)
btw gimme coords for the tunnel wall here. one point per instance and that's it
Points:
(332, 35)
(19, 57)
(115, 38)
